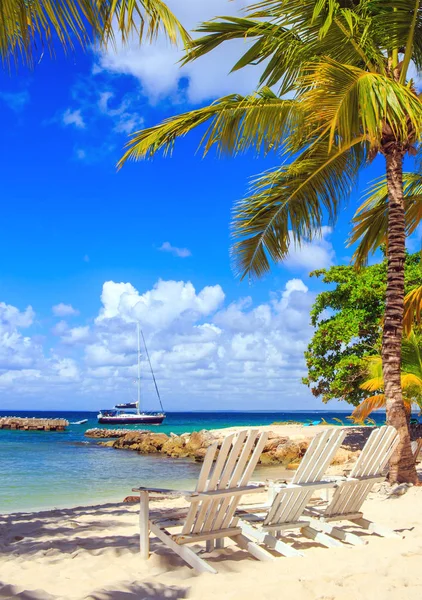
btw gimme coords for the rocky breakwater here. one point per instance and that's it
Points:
(279, 450)
(97, 432)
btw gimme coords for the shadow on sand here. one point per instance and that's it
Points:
(134, 591)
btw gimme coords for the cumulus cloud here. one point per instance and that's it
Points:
(180, 252)
(73, 117)
(168, 302)
(206, 352)
(64, 310)
(317, 254)
(24, 365)
(156, 65)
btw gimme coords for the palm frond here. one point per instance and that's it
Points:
(412, 309)
(351, 101)
(237, 124)
(24, 23)
(146, 17)
(365, 408)
(372, 385)
(408, 380)
(287, 40)
(409, 47)
(289, 204)
(31, 26)
(370, 222)
(411, 355)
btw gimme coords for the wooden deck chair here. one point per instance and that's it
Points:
(223, 480)
(289, 501)
(416, 448)
(350, 494)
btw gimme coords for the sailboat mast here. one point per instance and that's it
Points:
(139, 368)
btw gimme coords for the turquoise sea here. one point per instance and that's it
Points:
(50, 469)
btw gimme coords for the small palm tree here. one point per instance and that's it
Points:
(340, 71)
(411, 380)
(28, 27)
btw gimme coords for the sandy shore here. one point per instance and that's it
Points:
(92, 553)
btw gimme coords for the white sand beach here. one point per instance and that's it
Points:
(92, 553)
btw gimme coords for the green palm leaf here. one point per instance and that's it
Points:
(237, 123)
(348, 101)
(371, 218)
(290, 203)
(27, 26)
(412, 310)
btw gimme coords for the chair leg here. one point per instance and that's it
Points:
(144, 525)
(219, 544)
(188, 555)
(320, 537)
(253, 549)
(378, 529)
(209, 545)
(263, 537)
(341, 534)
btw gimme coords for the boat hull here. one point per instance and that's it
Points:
(135, 420)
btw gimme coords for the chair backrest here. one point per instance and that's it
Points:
(226, 468)
(290, 502)
(376, 453)
(319, 455)
(351, 494)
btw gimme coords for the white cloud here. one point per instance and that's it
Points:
(161, 307)
(64, 310)
(60, 328)
(76, 335)
(126, 119)
(206, 353)
(23, 362)
(180, 252)
(73, 117)
(15, 100)
(317, 254)
(156, 65)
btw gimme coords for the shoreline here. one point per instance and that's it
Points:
(296, 433)
(167, 472)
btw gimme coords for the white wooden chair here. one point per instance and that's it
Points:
(350, 494)
(223, 480)
(416, 449)
(288, 501)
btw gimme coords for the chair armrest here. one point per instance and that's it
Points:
(167, 492)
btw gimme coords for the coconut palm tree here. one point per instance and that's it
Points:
(411, 380)
(28, 27)
(338, 94)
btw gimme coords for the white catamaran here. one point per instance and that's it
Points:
(129, 413)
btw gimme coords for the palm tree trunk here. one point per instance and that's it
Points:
(402, 465)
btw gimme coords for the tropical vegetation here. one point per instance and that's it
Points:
(347, 320)
(334, 93)
(411, 380)
(30, 27)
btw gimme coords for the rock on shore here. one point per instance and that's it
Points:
(279, 450)
(97, 432)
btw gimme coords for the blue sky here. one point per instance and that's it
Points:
(71, 222)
